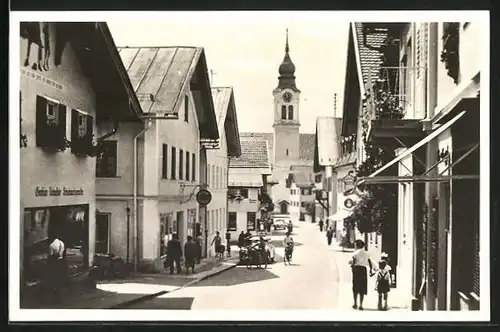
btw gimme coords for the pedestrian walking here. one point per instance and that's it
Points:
(343, 239)
(383, 281)
(228, 243)
(320, 224)
(174, 254)
(199, 244)
(268, 223)
(329, 235)
(290, 227)
(327, 223)
(241, 239)
(359, 264)
(218, 243)
(190, 254)
(56, 267)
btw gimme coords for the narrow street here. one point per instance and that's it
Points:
(311, 282)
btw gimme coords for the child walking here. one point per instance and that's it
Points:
(383, 281)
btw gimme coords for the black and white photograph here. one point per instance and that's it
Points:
(288, 166)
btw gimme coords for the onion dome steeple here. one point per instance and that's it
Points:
(287, 70)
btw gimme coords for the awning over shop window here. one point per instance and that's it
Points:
(340, 215)
(374, 178)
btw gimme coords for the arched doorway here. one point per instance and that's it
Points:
(284, 207)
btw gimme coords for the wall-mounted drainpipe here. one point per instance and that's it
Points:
(136, 215)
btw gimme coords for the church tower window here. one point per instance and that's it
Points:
(283, 112)
(286, 152)
(290, 112)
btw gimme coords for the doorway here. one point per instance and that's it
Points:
(284, 207)
(102, 228)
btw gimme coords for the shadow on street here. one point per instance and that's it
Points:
(238, 275)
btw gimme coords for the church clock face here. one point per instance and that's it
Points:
(287, 97)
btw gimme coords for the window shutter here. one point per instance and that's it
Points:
(193, 167)
(165, 161)
(41, 114)
(90, 125)
(62, 119)
(74, 125)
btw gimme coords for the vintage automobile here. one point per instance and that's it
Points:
(246, 255)
(279, 224)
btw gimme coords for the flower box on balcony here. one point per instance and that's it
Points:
(83, 146)
(54, 137)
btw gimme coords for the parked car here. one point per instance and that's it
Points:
(279, 224)
(253, 245)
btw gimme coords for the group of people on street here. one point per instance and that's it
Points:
(360, 263)
(192, 253)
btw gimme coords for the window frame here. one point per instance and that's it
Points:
(290, 111)
(164, 161)
(283, 112)
(187, 162)
(173, 163)
(193, 167)
(186, 108)
(181, 164)
(100, 157)
(254, 214)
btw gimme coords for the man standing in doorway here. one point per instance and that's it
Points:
(56, 266)
(174, 254)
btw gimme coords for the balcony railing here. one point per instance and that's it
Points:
(391, 92)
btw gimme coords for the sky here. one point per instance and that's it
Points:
(245, 51)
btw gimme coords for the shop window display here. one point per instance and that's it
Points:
(41, 225)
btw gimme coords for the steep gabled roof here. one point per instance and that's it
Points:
(160, 77)
(306, 147)
(368, 54)
(254, 154)
(225, 111)
(306, 144)
(301, 180)
(96, 52)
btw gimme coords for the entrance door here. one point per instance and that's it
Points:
(102, 233)
(284, 208)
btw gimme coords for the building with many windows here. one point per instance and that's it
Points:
(415, 92)
(301, 196)
(246, 183)
(218, 162)
(64, 108)
(149, 174)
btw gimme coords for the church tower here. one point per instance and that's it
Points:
(286, 112)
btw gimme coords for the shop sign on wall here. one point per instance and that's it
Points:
(57, 191)
(37, 77)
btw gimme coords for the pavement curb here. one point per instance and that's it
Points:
(147, 297)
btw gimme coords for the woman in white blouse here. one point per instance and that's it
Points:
(359, 264)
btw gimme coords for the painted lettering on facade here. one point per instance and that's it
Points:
(57, 191)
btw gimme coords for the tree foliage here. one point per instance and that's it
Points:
(376, 205)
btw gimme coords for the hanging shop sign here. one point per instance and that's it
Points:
(204, 197)
(41, 191)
